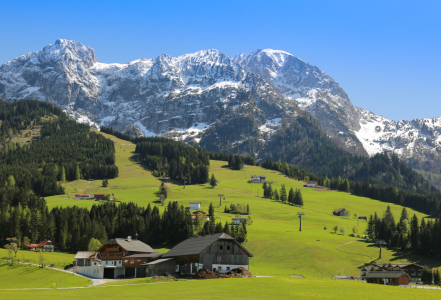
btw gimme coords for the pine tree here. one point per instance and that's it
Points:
(283, 193)
(62, 175)
(404, 215)
(213, 181)
(414, 234)
(211, 210)
(291, 197)
(276, 195)
(226, 228)
(299, 198)
(265, 189)
(77, 173)
(248, 209)
(11, 181)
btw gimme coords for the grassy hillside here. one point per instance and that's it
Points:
(280, 287)
(28, 276)
(274, 238)
(59, 259)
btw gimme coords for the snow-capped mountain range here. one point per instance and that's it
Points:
(183, 96)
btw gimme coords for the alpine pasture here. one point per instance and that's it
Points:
(279, 248)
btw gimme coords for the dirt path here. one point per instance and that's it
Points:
(355, 253)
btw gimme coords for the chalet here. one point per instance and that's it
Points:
(362, 218)
(84, 196)
(342, 212)
(195, 205)
(116, 258)
(311, 183)
(414, 271)
(195, 215)
(388, 277)
(100, 196)
(258, 178)
(44, 246)
(218, 252)
(237, 221)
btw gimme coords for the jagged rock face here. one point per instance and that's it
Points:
(184, 96)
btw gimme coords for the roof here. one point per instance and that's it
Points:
(342, 277)
(386, 274)
(84, 254)
(196, 245)
(133, 245)
(259, 175)
(340, 209)
(144, 255)
(41, 244)
(157, 262)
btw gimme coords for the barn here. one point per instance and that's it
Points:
(218, 252)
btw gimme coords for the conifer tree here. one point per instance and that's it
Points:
(213, 181)
(291, 197)
(77, 173)
(299, 198)
(283, 193)
(211, 210)
(276, 195)
(62, 175)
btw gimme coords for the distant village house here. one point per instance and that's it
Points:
(195, 215)
(195, 205)
(237, 221)
(414, 271)
(84, 196)
(258, 178)
(100, 196)
(341, 212)
(311, 183)
(44, 246)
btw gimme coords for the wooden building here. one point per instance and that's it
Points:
(311, 183)
(237, 221)
(218, 252)
(388, 277)
(341, 212)
(117, 258)
(44, 246)
(258, 178)
(84, 196)
(414, 271)
(195, 205)
(100, 196)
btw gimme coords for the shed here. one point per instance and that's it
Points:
(342, 212)
(258, 178)
(311, 183)
(388, 277)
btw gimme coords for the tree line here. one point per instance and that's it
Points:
(425, 203)
(420, 237)
(294, 197)
(72, 228)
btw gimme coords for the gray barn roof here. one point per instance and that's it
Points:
(133, 245)
(157, 262)
(386, 274)
(84, 254)
(195, 245)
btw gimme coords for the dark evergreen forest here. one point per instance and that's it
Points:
(65, 150)
(408, 233)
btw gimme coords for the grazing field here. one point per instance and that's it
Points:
(279, 287)
(17, 276)
(274, 237)
(59, 259)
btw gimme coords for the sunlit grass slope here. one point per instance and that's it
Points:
(280, 287)
(274, 238)
(59, 259)
(29, 276)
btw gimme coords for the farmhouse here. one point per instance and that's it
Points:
(218, 252)
(342, 212)
(116, 258)
(258, 178)
(414, 271)
(362, 218)
(84, 196)
(311, 183)
(195, 205)
(195, 215)
(388, 277)
(237, 221)
(100, 196)
(44, 246)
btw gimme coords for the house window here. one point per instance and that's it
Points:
(228, 268)
(228, 247)
(138, 261)
(221, 247)
(146, 261)
(132, 261)
(126, 261)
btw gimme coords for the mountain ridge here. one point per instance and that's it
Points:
(183, 96)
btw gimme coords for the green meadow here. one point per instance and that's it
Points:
(59, 259)
(279, 248)
(279, 287)
(17, 276)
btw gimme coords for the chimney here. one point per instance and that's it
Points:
(136, 236)
(129, 238)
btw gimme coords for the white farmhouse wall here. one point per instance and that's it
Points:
(195, 205)
(224, 267)
(91, 271)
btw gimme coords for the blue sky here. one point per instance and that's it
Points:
(385, 54)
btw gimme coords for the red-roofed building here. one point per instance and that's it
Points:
(44, 246)
(200, 213)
